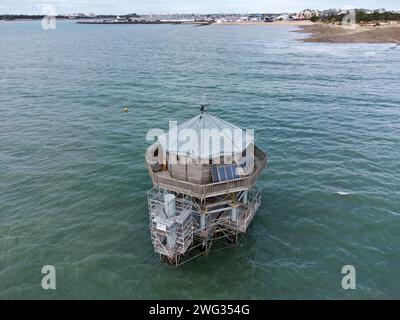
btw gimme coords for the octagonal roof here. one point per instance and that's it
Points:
(206, 136)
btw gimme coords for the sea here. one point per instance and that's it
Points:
(73, 181)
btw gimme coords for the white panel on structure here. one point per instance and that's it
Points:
(245, 195)
(171, 239)
(234, 214)
(202, 221)
(161, 227)
(169, 204)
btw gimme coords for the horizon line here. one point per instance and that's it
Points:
(198, 13)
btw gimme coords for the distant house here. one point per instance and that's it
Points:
(243, 19)
(283, 17)
(307, 14)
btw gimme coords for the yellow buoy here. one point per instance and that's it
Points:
(126, 109)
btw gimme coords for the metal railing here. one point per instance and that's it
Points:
(212, 189)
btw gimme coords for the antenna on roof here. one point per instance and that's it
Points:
(204, 104)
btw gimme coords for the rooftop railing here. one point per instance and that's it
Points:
(211, 189)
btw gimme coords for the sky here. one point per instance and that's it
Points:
(186, 6)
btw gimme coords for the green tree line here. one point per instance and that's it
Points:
(361, 16)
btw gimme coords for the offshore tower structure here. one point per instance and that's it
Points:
(204, 196)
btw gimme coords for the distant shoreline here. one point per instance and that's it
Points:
(333, 33)
(238, 23)
(198, 23)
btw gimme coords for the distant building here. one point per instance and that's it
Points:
(243, 18)
(307, 14)
(76, 15)
(283, 17)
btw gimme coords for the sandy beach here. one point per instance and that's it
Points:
(329, 33)
(274, 23)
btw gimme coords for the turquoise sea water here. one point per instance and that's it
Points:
(73, 181)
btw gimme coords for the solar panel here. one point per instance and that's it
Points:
(214, 173)
(229, 173)
(221, 173)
